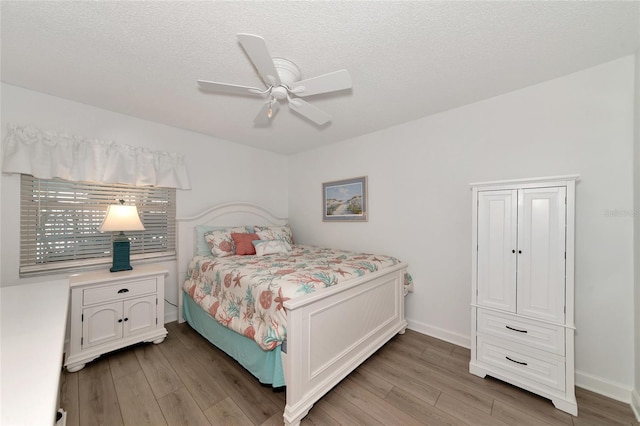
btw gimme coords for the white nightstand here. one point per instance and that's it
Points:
(111, 310)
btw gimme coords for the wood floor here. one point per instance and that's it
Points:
(413, 380)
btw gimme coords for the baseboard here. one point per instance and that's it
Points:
(440, 333)
(635, 403)
(604, 387)
(170, 315)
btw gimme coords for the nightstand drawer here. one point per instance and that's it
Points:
(124, 290)
(523, 362)
(543, 336)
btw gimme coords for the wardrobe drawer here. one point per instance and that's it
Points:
(546, 337)
(123, 290)
(529, 365)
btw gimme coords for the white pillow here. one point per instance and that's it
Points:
(275, 233)
(265, 247)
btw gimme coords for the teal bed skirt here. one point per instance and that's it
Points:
(266, 366)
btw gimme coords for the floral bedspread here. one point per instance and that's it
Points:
(247, 293)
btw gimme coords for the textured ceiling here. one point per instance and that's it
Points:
(406, 59)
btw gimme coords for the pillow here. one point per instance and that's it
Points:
(275, 233)
(265, 247)
(243, 244)
(220, 241)
(202, 248)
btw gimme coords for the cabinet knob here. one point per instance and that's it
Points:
(513, 251)
(120, 320)
(126, 319)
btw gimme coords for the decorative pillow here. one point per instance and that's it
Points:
(265, 247)
(220, 241)
(202, 248)
(275, 233)
(243, 243)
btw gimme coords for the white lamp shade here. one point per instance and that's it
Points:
(121, 218)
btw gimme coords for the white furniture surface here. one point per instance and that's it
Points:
(111, 310)
(522, 309)
(34, 320)
(369, 311)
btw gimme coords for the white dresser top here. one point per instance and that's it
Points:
(103, 275)
(33, 323)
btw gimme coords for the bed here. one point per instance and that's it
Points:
(306, 355)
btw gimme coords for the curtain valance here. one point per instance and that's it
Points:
(48, 155)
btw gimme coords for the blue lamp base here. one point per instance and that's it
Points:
(121, 254)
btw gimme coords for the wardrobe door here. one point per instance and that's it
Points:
(541, 253)
(496, 273)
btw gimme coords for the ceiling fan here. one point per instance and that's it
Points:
(282, 81)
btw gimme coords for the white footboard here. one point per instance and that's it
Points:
(331, 332)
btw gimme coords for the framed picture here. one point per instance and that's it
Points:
(345, 200)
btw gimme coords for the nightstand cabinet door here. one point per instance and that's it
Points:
(113, 310)
(139, 315)
(101, 324)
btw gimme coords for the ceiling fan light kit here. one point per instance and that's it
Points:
(282, 79)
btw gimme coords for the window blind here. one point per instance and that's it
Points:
(59, 223)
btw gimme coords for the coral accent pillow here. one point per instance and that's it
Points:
(243, 243)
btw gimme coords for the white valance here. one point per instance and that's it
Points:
(48, 155)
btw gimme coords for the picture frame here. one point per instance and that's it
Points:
(345, 200)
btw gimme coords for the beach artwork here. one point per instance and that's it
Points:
(345, 200)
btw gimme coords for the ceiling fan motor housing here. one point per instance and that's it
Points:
(288, 72)
(279, 92)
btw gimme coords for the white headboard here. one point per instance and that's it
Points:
(229, 214)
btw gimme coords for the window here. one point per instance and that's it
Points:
(59, 223)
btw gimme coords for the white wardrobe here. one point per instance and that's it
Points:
(522, 302)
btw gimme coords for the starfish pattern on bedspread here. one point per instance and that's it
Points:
(247, 293)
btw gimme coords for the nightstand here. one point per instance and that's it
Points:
(112, 310)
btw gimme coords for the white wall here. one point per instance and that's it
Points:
(220, 171)
(636, 179)
(420, 203)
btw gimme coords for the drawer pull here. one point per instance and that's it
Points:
(517, 362)
(123, 290)
(515, 329)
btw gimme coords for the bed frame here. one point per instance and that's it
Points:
(368, 311)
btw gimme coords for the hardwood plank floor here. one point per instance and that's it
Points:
(413, 380)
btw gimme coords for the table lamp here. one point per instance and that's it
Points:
(120, 218)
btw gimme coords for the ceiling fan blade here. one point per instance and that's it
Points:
(307, 110)
(338, 80)
(256, 48)
(262, 119)
(232, 89)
